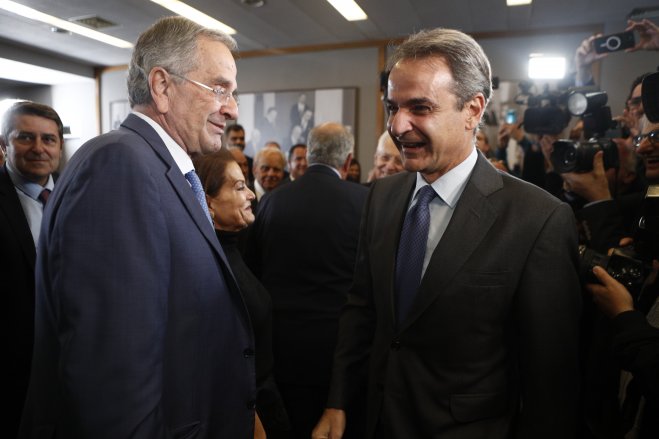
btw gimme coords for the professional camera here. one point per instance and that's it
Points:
(629, 265)
(599, 128)
(546, 113)
(570, 156)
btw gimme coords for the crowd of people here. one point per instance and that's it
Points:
(164, 284)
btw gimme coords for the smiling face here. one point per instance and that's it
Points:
(387, 159)
(232, 206)
(432, 134)
(195, 118)
(34, 147)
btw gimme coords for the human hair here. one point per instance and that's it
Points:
(233, 127)
(638, 80)
(29, 108)
(293, 148)
(170, 43)
(270, 150)
(329, 144)
(463, 55)
(211, 169)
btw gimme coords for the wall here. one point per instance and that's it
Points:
(326, 69)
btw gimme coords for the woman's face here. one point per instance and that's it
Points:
(232, 206)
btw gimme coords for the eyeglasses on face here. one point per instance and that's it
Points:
(652, 136)
(635, 102)
(222, 95)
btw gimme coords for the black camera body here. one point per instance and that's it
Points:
(570, 156)
(614, 42)
(629, 265)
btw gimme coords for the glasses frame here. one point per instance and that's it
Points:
(222, 95)
(652, 136)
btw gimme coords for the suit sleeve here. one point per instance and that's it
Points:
(548, 310)
(111, 253)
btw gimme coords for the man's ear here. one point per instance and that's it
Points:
(160, 84)
(474, 109)
(345, 167)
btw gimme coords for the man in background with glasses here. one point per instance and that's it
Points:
(140, 327)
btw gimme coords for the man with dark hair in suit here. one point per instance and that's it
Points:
(32, 139)
(302, 247)
(463, 315)
(141, 330)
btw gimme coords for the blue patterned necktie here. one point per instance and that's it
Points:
(412, 251)
(199, 194)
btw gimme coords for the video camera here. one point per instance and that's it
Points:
(598, 127)
(546, 112)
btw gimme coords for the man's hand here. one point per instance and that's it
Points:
(508, 130)
(611, 296)
(259, 431)
(591, 186)
(648, 35)
(331, 425)
(584, 58)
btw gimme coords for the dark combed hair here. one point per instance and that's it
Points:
(29, 108)
(211, 169)
(234, 127)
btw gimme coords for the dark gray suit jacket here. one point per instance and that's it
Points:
(140, 328)
(17, 258)
(489, 349)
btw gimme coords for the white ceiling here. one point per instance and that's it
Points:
(293, 23)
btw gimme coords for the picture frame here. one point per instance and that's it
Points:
(119, 110)
(287, 116)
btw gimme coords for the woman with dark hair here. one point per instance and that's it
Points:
(230, 205)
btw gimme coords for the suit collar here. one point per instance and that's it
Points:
(322, 168)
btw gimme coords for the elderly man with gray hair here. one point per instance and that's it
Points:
(141, 330)
(302, 247)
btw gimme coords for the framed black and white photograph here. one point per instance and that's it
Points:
(286, 117)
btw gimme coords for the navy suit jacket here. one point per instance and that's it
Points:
(489, 347)
(17, 258)
(140, 328)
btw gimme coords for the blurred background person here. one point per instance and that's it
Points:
(230, 205)
(297, 162)
(32, 139)
(386, 160)
(269, 166)
(354, 171)
(235, 136)
(302, 247)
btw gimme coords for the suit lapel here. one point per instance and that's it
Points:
(177, 180)
(10, 203)
(473, 217)
(397, 195)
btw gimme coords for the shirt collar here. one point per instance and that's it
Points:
(449, 186)
(182, 159)
(29, 188)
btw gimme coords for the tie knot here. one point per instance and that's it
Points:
(426, 194)
(43, 196)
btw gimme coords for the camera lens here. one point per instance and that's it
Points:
(613, 43)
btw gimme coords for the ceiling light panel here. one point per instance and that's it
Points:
(33, 14)
(349, 9)
(195, 15)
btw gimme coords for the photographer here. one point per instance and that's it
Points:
(621, 376)
(635, 345)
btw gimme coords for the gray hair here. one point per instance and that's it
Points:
(466, 59)
(330, 144)
(170, 43)
(270, 150)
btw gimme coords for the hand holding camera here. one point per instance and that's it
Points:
(648, 35)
